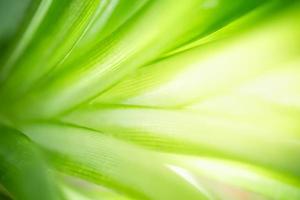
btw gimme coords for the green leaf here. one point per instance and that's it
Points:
(105, 160)
(23, 172)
